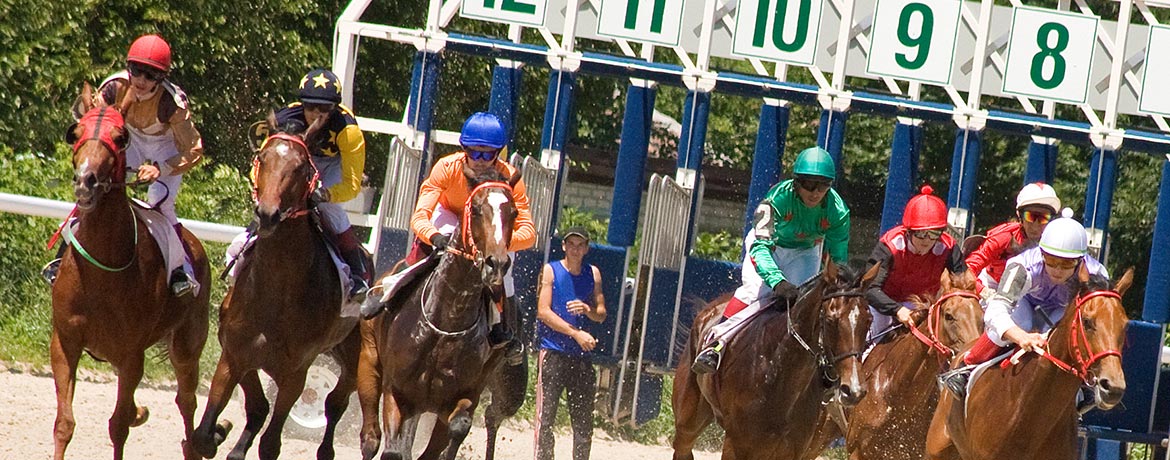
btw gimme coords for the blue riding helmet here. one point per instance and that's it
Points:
(483, 129)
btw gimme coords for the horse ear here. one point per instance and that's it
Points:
(1125, 282)
(944, 280)
(271, 120)
(311, 133)
(515, 179)
(71, 134)
(830, 273)
(870, 274)
(84, 101)
(971, 243)
(1083, 273)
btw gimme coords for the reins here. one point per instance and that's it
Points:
(1077, 336)
(824, 362)
(934, 325)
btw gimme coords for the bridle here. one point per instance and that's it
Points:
(302, 207)
(470, 251)
(934, 324)
(1079, 342)
(97, 124)
(824, 361)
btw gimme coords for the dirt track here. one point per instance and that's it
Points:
(28, 406)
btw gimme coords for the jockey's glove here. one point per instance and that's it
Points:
(786, 291)
(320, 195)
(440, 241)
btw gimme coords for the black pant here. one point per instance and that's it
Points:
(576, 377)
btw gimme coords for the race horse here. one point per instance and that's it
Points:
(429, 352)
(768, 392)
(901, 376)
(112, 297)
(284, 309)
(1027, 411)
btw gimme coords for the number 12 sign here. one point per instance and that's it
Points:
(914, 40)
(1050, 54)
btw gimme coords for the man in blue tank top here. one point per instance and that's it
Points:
(570, 292)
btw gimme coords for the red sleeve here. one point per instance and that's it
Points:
(988, 252)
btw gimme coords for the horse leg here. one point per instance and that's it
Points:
(255, 410)
(125, 412)
(288, 389)
(346, 354)
(185, 348)
(401, 424)
(939, 445)
(439, 442)
(458, 425)
(209, 435)
(369, 388)
(692, 412)
(508, 389)
(64, 357)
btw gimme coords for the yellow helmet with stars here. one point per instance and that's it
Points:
(320, 86)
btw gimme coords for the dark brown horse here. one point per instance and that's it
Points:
(1027, 411)
(768, 391)
(900, 376)
(284, 309)
(429, 351)
(112, 297)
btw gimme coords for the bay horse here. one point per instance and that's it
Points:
(284, 309)
(1027, 411)
(429, 351)
(112, 297)
(768, 392)
(900, 375)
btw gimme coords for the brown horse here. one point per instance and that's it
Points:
(768, 391)
(901, 373)
(112, 297)
(284, 309)
(1027, 411)
(429, 351)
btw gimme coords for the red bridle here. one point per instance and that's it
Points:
(304, 149)
(934, 324)
(1077, 336)
(470, 251)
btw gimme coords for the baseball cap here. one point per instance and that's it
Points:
(576, 230)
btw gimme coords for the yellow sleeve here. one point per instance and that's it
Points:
(352, 144)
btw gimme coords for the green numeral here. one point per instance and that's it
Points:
(778, 25)
(922, 41)
(655, 20)
(1058, 61)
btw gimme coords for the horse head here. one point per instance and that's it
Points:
(486, 230)
(1095, 334)
(99, 142)
(846, 319)
(956, 317)
(283, 174)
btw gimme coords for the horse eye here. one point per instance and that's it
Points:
(1089, 324)
(949, 317)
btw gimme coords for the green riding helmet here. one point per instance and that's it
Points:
(815, 161)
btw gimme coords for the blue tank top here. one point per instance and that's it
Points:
(566, 287)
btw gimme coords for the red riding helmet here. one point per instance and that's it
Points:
(151, 50)
(925, 211)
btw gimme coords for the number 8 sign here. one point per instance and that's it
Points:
(914, 40)
(1050, 54)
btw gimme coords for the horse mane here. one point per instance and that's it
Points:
(491, 175)
(1096, 283)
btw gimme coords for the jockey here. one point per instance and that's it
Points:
(340, 159)
(164, 143)
(912, 257)
(1036, 205)
(798, 220)
(441, 198)
(1031, 298)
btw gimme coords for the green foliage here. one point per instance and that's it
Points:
(721, 245)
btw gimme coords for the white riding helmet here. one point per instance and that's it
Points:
(1038, 193)
(1065, 237)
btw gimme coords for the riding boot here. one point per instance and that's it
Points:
(501, 335)
(49, 271)
(708, 360)
(956, 380)
(354, 256)
(182, 282)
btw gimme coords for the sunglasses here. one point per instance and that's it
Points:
(138, 70)
(927, 234)
(1036, 217)
(1060, 263)
(480, 155)
(813, 186)
(326, 108)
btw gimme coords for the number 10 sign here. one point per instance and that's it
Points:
(914, 40)
(1050, 54)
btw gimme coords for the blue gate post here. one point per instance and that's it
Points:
(1099, 200)
(504, 101)
(558, 117)
(766, 164)
(1156, 307)
(903, 171)
(1041, 161)
(696, 108)
(831, 137)
(964, 166)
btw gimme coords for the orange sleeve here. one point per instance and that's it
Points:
(523, 230)
(428, 198)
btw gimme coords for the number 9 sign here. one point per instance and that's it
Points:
(1050, 54)
(914, 40)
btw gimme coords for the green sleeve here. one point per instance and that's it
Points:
(761, 249)
(837, 238)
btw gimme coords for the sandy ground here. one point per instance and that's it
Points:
(28, 406)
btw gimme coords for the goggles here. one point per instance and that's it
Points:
(481, 155)
(813, 185)
(149, 73)
(1060, 263)
(321, 108)
(927, 234)
(1036, 217)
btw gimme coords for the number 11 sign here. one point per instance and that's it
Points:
(914, 40)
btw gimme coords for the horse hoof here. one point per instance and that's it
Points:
(203, 446)
(141, 417)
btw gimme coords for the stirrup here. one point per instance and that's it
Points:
(181, 283)
(357, 293)
(513, 353)
(49, 271)
(957, 379)
(708, 359)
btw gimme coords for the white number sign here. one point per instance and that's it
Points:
(644, 21)
(523, 12)
(1050, 54)
(1155, 98)
(914, 40)
(777, 30)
